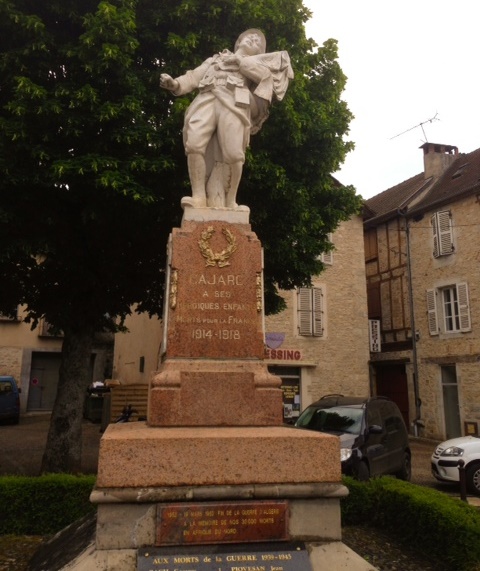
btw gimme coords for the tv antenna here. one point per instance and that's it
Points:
(434, 118)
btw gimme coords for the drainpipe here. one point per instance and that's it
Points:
(418, 403)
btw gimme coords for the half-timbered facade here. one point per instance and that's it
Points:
(422, 258)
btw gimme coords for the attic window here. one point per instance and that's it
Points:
(459, 171)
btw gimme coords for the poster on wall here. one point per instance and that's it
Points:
(291, 400)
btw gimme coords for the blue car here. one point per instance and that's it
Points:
(9, 400)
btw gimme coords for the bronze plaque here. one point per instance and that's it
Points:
(261, 557)
(219, 522)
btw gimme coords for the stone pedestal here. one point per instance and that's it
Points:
(212, 373)
(213, 465)
(134, 455)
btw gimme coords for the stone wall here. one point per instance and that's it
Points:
(337, 362)
(11, 362)
(460, 350)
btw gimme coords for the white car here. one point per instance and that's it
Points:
(445, 461)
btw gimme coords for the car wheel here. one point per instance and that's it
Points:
(405, 473)
(362, 472)
(473, 479)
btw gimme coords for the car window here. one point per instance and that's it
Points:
(374, 416)
(5, 387)
(393, 421)
(334, 419)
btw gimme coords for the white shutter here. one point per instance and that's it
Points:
(317, 312)
(442, 233)
(327, 257)
(310, 311)
(304, 309)
(445, 230)
(436, 248)
(463, 307)
(432, 312)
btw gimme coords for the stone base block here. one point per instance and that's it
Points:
(212, 393)
(127, 526)
(134, 455)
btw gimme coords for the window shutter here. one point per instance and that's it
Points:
(436, 247)
(310, 311)
(317, 312)
(327, 257)
(432, 312)
(442, 233)
(445, 230)
(463, 307)
(304, 308)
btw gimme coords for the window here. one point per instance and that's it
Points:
(327, 257)
(310, 311)
(374, 302)
(11, 316)
(442, 233)
(46, 329)
(448, 309)
(370, 242)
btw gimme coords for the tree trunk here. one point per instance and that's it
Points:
(64, 443)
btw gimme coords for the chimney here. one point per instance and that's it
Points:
(437, 158)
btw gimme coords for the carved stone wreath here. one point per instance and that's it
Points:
(220, 258)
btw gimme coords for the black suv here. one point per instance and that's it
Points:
(373, 436)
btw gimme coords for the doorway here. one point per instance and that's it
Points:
(451, 406)
(291, 391)
(392, 383)
(43, 384)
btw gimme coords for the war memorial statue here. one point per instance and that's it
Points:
(235, 92)
(213, 479)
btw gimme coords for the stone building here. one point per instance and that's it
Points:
(33, 358)
(421, 257)
(318, 345)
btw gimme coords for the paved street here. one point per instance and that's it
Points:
(22, 445)
(22, 448)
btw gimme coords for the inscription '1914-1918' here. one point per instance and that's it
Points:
(224, 334)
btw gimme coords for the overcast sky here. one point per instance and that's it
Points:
(406, 62)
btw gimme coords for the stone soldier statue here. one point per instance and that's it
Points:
(235, 91)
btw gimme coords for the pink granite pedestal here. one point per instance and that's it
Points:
(214, 433)
(134, 455)
(212, 372)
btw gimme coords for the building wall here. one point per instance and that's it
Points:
(387, 274)
(19, 345)
(388, 286)
(337, 362)
(142, 339)
(461, 350)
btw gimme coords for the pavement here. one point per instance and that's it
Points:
(22, 445)
(22, 448)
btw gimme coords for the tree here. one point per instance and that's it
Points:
(93, 168)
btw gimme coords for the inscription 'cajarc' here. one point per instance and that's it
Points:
(214, 279)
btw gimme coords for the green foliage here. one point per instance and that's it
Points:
(43, 505)
(92, 165)
(429, 521)
(88, 138)
(359, 504)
